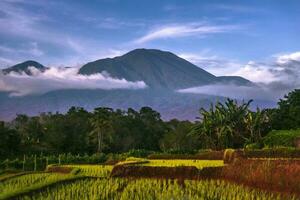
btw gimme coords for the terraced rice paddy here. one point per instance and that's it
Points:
(176, 163)
(125, 189)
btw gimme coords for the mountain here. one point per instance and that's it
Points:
(24, 67)
(158, 69)
(162, 71)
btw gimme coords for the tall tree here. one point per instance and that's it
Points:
(101, 122)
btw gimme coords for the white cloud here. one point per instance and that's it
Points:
(255, 72)
(274, 79)
(286, 58)
(174, 31)
(198, 58)
(234, 91)
(61, 78)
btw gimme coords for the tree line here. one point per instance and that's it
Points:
(230, 124)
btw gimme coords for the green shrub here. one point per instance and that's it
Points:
(284, 138)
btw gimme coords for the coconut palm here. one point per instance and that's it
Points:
(102, 126)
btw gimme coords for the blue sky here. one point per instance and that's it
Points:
(220, 36)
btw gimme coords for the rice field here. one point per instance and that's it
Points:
(148, 189)
(172, 163)
(28, 180)
(94, 182)
(92, 170)
(176, 163)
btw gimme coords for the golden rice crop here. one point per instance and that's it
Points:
(149, 189)
(23, 181)
(92, 170)
(175, 163)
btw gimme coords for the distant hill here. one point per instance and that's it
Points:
(158, 69)
(24, 67)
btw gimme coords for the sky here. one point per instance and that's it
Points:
(257, 39)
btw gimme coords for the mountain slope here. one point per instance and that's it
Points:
(24, 67)
(158, 69)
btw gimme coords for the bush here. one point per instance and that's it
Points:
(284, 138)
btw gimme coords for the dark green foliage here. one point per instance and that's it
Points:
(78, 131)
(9, 141)
(287, 116)
(284, 138)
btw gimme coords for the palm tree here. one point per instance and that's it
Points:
(102, 125)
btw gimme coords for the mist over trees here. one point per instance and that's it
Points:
(104, 130)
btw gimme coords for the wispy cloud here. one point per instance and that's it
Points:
(211, 62)
(235, 8)
(180, 30)
(61, 78)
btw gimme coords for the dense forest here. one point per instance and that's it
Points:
(230, 124)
